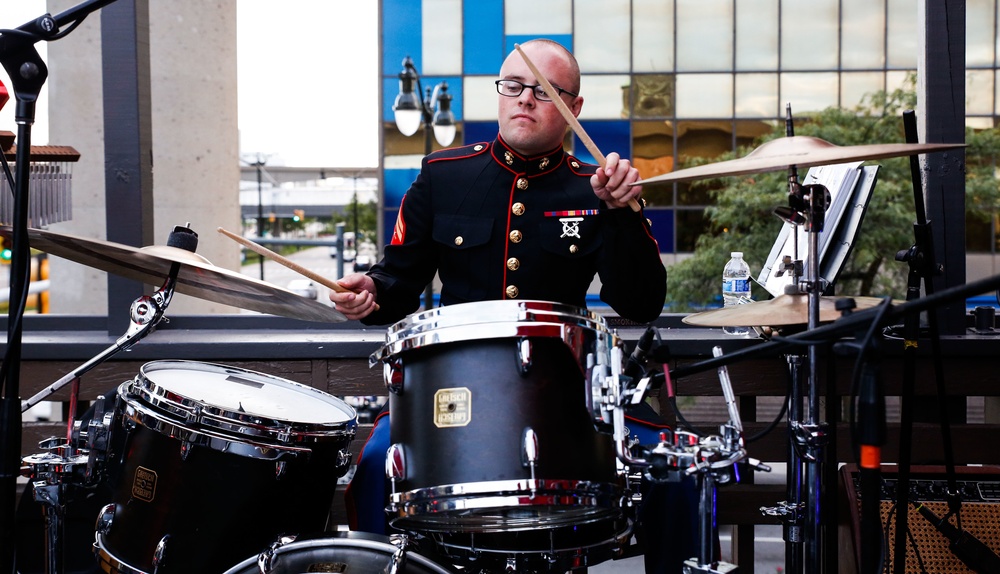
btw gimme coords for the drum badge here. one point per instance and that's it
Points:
(144, 484)
(571, 227)
(452, 407)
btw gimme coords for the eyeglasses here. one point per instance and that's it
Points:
(513, 89)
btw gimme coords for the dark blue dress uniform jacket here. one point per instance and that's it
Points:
(497, 225)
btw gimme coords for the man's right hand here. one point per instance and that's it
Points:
(359, 300)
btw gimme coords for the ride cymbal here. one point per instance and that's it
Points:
(797, 151)
(196, 277)
(782, 310)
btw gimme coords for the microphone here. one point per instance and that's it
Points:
(635, 367)
(963, 545)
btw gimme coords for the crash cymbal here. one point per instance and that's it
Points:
(798, 151)
(196, 277)
(782, 310)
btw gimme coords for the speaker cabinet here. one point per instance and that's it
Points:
(980, 513)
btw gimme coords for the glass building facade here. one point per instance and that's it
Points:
(668, 79)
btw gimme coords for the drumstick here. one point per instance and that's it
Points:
(570, 118)
(265, 252)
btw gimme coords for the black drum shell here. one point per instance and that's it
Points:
(548, 396)
(217, 507)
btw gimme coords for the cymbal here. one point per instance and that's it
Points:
(196, 277)
(798, 151)
(782, 310)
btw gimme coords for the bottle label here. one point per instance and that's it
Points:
(736, 285)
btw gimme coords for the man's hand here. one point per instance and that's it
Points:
(359, 301)
(611, 183)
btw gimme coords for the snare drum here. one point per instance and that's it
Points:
(494, 419)
(215, 463)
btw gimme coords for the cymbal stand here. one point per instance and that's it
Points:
(69, 467)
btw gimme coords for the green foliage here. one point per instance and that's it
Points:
(366, 218)
(741, 216)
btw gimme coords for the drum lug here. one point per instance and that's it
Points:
(529, 454)
(185, 449)
(279, 469)
(398, 560)
(265, 559)
(392, 372)
(104, 519)
(395, 464)
(160, 554)
(524, 356)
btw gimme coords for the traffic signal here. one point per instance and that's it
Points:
(5, 250)
(298, 214)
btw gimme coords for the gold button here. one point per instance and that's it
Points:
(574, 164)
(573, 248)
(649, 222)
(515, 236)
(478, 148)
(518, 208)
(513, 264)
(642, 200)
(512, 292)
(522, 183)
(459, 240)
(508, 158)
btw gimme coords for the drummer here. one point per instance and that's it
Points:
(516, 218)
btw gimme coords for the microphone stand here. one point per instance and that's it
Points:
(27, 73)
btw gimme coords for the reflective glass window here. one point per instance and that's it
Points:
(531, 17)
(653, 154)
(757, 96)
(604, 97)
(652, 35)
(862, 34)
(809, 92)
(442, 37)
(757, 35)
(704, 95)
(480, 98)
(704, 35)
(901, 30)
(979, 32)
(652, 95)
(899, 80)
(855, 86)
(691, 224)
(809, 34)
(979, 92)
(601, 39)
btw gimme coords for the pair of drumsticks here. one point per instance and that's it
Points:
(560, 105)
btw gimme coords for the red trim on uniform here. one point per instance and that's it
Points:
(474, 153)
(399, 232)
(506, 243)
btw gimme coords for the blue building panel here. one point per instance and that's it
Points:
(389, 224)
(475, 132)
(402, 22)
(662, 226)
(483, 39)
(608, 136)
(396, 182)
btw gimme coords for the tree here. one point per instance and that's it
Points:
(741, 217)
(364, 215)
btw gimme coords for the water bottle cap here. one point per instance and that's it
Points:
(738, 254)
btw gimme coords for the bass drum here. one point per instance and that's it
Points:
(215, 462)
(357, 552)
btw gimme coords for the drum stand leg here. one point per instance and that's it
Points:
(706, 562)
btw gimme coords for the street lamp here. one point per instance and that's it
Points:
(433, 111)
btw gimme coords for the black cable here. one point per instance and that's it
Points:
(863, 346)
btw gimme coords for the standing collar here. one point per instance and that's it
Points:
(534, 165)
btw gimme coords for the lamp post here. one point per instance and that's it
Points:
(433, 111)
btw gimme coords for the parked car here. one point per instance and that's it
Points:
(362, 263)
(303, 287)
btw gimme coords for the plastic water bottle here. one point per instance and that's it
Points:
(736, 287)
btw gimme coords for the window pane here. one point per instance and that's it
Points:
(757, 95)
(653, 36)
(653, 154)
(979, 92)
(538, 18)
(855, 86)
(979, 41)
(902, 34)
(757, 35)
(442, 37)
(863, 34)
(601, 35)
(690, 225)
(604, 97)
(809, 34)
(652, 95)
(809, 92)
(704, 95)
(704, 40)
(480, 101)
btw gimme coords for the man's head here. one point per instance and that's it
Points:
(528, 125)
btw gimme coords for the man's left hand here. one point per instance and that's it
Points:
(611, 182)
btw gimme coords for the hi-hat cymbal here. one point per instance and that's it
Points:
(782, 310)
(797, 151)
(196, 277)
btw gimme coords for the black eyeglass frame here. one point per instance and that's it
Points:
(534, 90)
